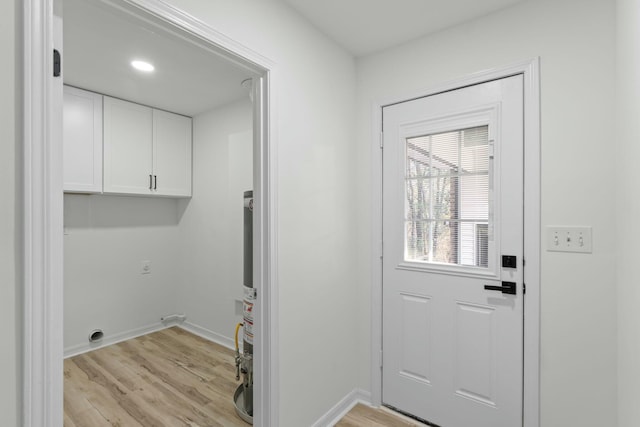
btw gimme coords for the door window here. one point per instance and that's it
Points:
(447, 187)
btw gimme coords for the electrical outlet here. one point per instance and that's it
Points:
(146, 267)
(569, 239)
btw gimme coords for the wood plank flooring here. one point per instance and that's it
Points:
(167, 378)
(365, 416)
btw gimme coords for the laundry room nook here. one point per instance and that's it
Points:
(158, 182)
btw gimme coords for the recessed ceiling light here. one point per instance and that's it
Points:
(142, 66)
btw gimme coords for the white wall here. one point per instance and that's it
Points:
(211, 224)
(314, 102)
(576, 44)
(10, 212)
(106, 239)
(628, 209)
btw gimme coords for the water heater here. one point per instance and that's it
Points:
(248, 239)
(243, 397)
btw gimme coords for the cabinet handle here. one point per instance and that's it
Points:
(155, 182)
(150, 182)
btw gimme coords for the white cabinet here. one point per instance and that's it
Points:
(171, 154)
(82, 141)
(128, 141)
(146, 151)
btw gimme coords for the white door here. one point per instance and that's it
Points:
(452, 208)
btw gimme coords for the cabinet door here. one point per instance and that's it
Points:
(127, 147)
(82, 141)
(171, 154)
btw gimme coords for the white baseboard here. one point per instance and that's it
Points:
(134, 333)
(208, 335)
(114, 339)
(341, 408)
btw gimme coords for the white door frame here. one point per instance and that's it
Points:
(531, 75)
(42, 382)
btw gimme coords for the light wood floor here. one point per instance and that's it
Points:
(364, 416)
(168, 378)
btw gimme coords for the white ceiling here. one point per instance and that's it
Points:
(367, 26)
(100, 42)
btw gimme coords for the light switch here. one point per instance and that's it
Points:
(569, 239)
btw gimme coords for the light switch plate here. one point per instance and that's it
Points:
(569, 239)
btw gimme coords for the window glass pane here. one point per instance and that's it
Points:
(447, 197)
(482, 245)
(473, 197)
(417, 241)
(418, 192)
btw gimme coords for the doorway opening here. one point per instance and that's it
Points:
(43, 315)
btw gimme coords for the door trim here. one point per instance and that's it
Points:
(531, 364)
(42, 312)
